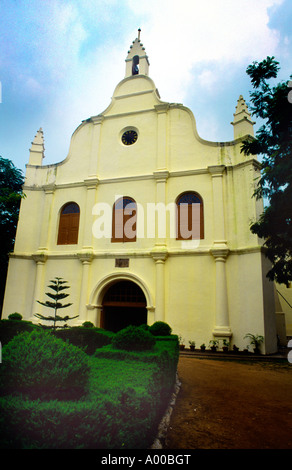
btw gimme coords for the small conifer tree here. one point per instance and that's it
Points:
(57, 285)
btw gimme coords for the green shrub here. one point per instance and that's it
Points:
(144, 326)
(39, 365)
(165, 355)
(15, 316)
(127, 396)
(11, 328)
(88, 324)
(88, 339)
(133, 338)
(160, 328)
(99, 424)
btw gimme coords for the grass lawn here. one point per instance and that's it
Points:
(110, 376)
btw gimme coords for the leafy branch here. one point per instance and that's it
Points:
(57, 285)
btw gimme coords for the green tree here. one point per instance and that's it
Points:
(58, 286)
(274, 143)
(11, 182)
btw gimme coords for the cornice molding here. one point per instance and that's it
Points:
(200, 251)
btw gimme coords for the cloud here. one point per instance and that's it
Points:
(180, 35)
(207, 79)
(189, 44)
(33, 86)
(70, 54)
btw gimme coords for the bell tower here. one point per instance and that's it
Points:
(137, 60)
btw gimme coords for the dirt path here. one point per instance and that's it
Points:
(231, 405)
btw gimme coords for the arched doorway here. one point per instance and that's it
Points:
(124, 304)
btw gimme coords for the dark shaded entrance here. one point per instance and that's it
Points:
(124, 304)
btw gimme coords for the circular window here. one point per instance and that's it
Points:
(129, 137)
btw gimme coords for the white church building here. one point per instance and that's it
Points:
(146, 221)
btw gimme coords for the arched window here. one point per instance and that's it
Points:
(124, 220)
(135, 65)
(69, 224)
(190, 216)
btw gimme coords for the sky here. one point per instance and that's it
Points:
(60, 61)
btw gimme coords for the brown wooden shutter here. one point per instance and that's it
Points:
(190, 223)
(130, 222)
(124, 221)
(118, 225)
(184, 222)
(69, 225)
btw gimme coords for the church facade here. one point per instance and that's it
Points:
(146, 221)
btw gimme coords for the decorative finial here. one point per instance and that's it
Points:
(139, 31)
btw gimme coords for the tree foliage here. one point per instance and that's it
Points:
(274, 143)
(40, 365)
(11, 181)
(57, 285)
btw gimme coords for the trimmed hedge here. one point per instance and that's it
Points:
(103, 423)
(11, 328)
(88, 339)
(41, 366)
(160, 328)
(85, 337)
(133, 338)
(88, 324)
(127, 395)
(15, 316)
(165, 355)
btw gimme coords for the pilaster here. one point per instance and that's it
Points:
(159, 255)
(222, 328)
(91, 185)
(217, 172)
(46, 218)
(86, 258)
(220, 253)
(162, 128)
(161, 177)
(40, 260)
(95, 145)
